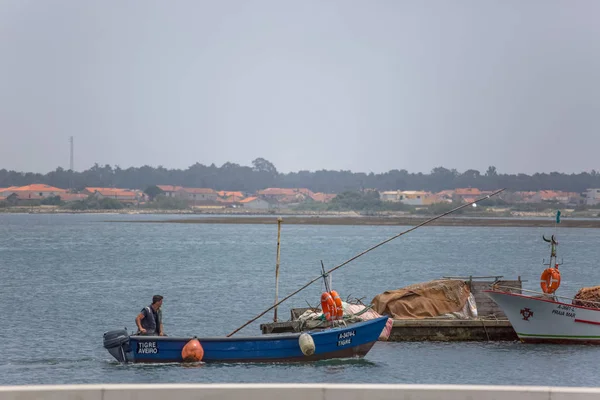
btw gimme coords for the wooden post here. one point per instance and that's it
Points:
(279, 220)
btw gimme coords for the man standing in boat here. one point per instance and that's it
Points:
(149, 320)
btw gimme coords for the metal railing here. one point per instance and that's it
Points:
(545, 294)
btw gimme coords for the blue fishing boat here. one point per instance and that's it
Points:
(350, 341)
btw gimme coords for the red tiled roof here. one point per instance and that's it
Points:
(231, 199)
(323, 197)
(111, 191)
(73, 196)
(248, 200)
(225, 193)
(199, 190)
(291, 198)
(305, 191)
(279, 192)
(36, 187)
(169, 188)
(467, 192)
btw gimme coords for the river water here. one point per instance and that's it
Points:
(66, 279)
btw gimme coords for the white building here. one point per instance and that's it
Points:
(592, 197)
(255, 203)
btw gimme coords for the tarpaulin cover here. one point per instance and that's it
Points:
(425, 300)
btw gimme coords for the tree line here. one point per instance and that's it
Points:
(263, 174)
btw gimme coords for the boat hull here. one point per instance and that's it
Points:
(538, 320)
(355, 340)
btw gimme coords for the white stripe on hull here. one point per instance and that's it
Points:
(541, 320)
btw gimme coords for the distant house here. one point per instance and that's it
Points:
(411, 197)
(197, 194)
(255, 203)
(464, 193)
(33, 192)
(390, 196)
(5, 192)
(323, 197)
(68, 197)
(548, 196)
(230, 197)
(284, 195)
(169, 190)
(415, 197)
(445, 195)
(591, 197)
(122, 195)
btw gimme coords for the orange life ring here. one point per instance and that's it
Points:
(328, 306)
(339, 309)
(550, 280)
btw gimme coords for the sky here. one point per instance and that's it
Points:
(366, 86)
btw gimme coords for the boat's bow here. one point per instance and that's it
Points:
(543, 319)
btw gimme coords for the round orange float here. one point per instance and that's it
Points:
(192, 351)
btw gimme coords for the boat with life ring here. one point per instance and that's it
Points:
(545, 317)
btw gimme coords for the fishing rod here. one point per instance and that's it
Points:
(365, 252)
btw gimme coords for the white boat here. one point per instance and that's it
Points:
(545, 317)
(541, 320)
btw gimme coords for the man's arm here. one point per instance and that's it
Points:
(138, 322)
(161, 329)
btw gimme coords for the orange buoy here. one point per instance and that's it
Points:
(328, 306)
(550, 280)
(192, 351)
(339, 309)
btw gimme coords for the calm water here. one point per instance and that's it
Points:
(66, 279)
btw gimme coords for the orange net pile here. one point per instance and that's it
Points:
(586, 297)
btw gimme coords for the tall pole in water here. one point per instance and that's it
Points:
(279, 219)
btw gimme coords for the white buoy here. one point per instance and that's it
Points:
(307, 344)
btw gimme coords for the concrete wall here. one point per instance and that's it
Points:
(419, 330)
(296, 392)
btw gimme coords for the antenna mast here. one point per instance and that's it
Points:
(71, 160)
(71, 171)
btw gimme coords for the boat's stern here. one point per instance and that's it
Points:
(117, 344)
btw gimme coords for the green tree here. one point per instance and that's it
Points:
(153, 191)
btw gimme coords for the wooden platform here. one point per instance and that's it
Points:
(491, 324)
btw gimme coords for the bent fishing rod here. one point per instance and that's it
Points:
(365, 252)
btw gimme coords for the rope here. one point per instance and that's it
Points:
(485, 329)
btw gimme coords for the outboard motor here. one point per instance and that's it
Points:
(117, 344)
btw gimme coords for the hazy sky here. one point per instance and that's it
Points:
(326, 84)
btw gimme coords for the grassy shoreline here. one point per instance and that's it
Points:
(292, 217)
